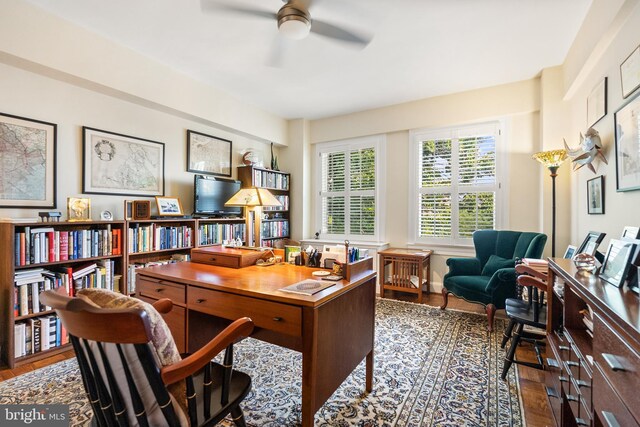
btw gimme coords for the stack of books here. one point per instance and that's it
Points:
(587, 319)
(540, 265)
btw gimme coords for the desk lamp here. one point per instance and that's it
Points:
(552, 160)
(251, 199)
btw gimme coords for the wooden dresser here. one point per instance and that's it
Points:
(593, 375)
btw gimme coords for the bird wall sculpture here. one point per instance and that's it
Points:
(590, 147)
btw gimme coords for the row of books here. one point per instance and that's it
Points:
(587, 320)
(46, 244)
(272, 243)
(284, 201)
(210, 234)
(270, 180)
(38, 334)
(275, 229)
(131, 276)
(154, 237)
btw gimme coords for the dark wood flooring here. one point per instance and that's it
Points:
(534, 398)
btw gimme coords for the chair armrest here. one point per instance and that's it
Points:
(524, 269)
(501, 277)
(463, 267)
(532, 281)
(163, 306)
(233, 333)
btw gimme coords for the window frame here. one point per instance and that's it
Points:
(378, 143)
(416, 137)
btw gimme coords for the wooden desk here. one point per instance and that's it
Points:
(407, 266)
(333, 329)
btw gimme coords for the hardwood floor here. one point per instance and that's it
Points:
(534, 398)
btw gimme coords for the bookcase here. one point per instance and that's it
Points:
(39, 256)
(275, 225)
(213, 231)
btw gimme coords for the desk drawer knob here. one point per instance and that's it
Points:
(583, 383)
(613, 362)
(200, 300)
(213, 259)
(564, 348)
(572, 363)
(159, 290)
(572, 398)
(610, 419)
(277, 319)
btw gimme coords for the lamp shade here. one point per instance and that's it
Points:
(253, 197)
(551, 158)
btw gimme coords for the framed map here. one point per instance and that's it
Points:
(208, 154)
(27, 162)
(121, 165)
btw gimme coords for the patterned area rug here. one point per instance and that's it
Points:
(432, 368)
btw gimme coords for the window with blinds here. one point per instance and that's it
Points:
(348, 183)
(457, 185)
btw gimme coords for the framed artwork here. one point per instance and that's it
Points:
(630, 73)
(78, 209)
(570, 252)
(27, 162)
(118, 164)
(169, 206)
(595, 196)
(590, 243)
(630, 232)
(141, 210)
(208, 154)
(597, 103)
(627, 126)
(616, 262)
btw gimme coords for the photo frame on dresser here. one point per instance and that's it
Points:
(633, 278)
(590, 243)
(617, 261)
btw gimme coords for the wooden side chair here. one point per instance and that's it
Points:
(520, 313)
(132, 371)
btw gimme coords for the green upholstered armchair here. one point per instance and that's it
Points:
(490, 278)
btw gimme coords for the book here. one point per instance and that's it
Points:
(37, 334)
(84, 270)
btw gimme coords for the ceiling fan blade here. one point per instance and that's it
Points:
(331, 31)
(214, 6)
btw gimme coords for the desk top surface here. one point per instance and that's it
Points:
(254, 281)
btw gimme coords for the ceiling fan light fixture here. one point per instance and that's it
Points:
(293, 22)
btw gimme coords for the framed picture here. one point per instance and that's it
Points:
(595, 196)
(141, 210)
(128, 209)
(628, 146)
(590, 243)
(169, 206)
(616, 262)
(629, 232)
(118, 164)
(630, 73)
(78, 209)
(570, 252)
(208, 154)
(597, 103)
(28, 163)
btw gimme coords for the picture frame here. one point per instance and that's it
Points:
(630, 73)
(595, 195)
(169, 206)
(627, 139)
(590, 243)
(208, 154)
(630, 232)
(117, 164)
(141, 210)
(597, 103)
(33, 184)
(128, 209)
(617, 261)
(78, 209)
(570, 252)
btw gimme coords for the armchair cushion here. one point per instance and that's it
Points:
(495, 263)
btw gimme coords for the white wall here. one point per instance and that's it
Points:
(42, 98)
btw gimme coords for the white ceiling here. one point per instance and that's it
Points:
(420, 48)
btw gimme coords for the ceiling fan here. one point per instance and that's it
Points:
(294, 21)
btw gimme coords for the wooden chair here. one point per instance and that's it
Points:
(520, 313)
(124, 379)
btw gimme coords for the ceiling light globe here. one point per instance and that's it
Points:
(295, 27)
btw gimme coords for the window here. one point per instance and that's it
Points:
(349, 184)
(456, 188)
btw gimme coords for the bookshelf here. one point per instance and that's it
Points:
(41, 256)
(275, 226)
(212, 231)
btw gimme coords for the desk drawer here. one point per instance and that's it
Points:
(619, 363)
(607, 406)
(269, 315)
(218, 259)
(156, 289)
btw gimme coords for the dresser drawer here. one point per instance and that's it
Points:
(269, 315)
(156, 289)
(620, 364)
(607, 406)
(175, 320)
(218, 259)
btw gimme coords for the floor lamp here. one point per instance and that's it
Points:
(552, 160)
(251, 199)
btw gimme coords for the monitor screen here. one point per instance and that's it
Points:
(210, 195)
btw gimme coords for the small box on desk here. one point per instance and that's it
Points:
(227, 257)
